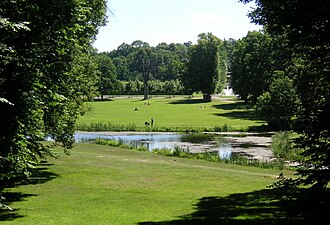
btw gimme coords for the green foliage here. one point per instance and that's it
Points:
(306, 26)
(159, 68)
(282, 146)
(207, 156)
(197, 138)
(250, 65)
(108, 82)
(99, 126)
(223, 128)
(279, 104)
(142, 63)
(206, 66)
(119, 143)
(46, 72)
(236, 158)
(254, 61)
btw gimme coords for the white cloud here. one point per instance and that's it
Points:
(207, 18)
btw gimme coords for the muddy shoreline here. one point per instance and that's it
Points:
(252, 145)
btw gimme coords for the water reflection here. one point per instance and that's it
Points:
(159, 141)
(225, 151)
(128, 137)
(151, 141)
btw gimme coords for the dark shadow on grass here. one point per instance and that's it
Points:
(188, 101)
(246, 115)
(262, 207)
(233, 106)
(39, 175)
(104, 100)
(7, 214)
(238, 110)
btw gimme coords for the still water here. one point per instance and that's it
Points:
(153, 141)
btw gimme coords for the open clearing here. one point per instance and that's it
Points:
(172, 113)
(105, 185)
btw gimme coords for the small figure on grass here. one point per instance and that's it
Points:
(151, 123)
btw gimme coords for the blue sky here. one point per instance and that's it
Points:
(178, 21)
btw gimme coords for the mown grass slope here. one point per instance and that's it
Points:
(171, 113)
(106, 185)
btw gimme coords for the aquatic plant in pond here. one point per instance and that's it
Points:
(283, 148)
(231, 158)
(197, 137)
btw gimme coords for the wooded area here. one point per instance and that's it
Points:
(48, 69)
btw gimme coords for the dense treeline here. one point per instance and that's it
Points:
(285, 71)
(48, 68)
(139, 69)
(46, 74)
(261, 73)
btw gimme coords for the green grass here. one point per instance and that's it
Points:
(107, 185)
(234, 158)
(175, 114)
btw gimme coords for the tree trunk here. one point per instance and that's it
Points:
(145, 91)
(207, 97)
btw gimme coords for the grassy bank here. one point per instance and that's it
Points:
(107, 185)
(168, 114)
(234, 158)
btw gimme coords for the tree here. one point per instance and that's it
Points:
(206, 68)
(280, 103)
(47, 74)
(122, 68)
(254, 60)
(306, 26)
(108, 81)
(251, 66)
(141, 62)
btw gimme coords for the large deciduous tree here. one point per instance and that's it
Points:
(46, 75)
(279, 104)
(306, 25)
(251, 66)
(254, 60)
(107, 82)
(206, 67)
(141, 62)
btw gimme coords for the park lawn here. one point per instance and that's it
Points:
(106, 185)
(172, 113)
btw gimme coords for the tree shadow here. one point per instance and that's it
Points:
(233, 106)
(238, 110)
(246, 115)
(188, 101)
(39, 175)
(262, 207)
(8, 214)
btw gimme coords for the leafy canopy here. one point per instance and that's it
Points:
(46, 72)
(306, 26)
(206, 67)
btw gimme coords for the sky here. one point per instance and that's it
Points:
(172, 21)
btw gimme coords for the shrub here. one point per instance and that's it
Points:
(282, 146)
(279, 104)
(197, 138)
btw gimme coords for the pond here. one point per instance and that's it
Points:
(191, 142)
(252, 145)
